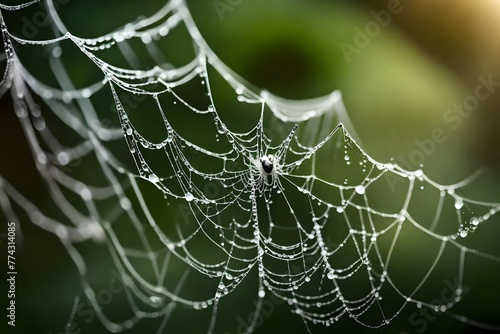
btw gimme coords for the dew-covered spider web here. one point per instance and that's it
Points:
(206, 196)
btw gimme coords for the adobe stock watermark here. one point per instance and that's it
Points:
(103, 297)
(224, 6)
(364, 36)
(38, 20)
(453, 118)
(449, 296)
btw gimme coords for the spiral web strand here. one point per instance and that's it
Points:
(311, 229)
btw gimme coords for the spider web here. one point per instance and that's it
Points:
(176, 206)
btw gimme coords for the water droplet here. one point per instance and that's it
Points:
(67, 97)
(156, 300)
(153, 178)
(146, 38)
(48, 94)
(330, 275)
(86, 93)
(164, 31)
(85, 193)
(463, 233)
(125, 203)
(189, 197)
(63, 158)
(360, 189)
(42, 158)
(459, 203)
(474, 221)
(262, 293)
(57, 52)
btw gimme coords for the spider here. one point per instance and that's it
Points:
(266, 171)
(267, 164)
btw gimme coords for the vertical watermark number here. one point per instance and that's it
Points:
(11, 273)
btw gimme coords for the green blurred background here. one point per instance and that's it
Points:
(397, 89)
